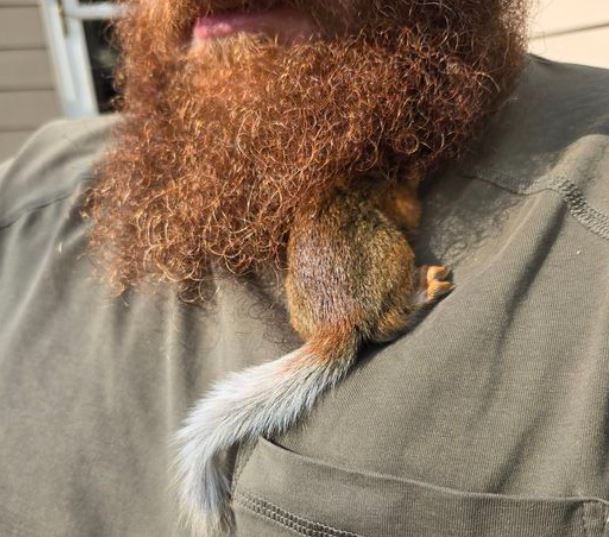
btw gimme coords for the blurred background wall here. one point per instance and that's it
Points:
(574, 31)
(28, 94)
(55, 60)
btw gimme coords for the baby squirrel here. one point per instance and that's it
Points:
(351, 279)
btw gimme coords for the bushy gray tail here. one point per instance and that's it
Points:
(263, 400)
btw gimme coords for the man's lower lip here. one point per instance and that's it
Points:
(279, 22)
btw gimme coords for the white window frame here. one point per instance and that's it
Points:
(63, 22)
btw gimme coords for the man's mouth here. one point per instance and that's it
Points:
(285, 24)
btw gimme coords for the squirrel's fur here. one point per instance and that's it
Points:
(351, 279)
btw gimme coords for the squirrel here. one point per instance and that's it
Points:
(351, 279)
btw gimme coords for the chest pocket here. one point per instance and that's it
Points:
(279, 493)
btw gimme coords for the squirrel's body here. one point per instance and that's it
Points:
(351, 278)
(349, 268)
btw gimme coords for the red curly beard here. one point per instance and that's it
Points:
(220, 144)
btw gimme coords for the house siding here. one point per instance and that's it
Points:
(27, 89)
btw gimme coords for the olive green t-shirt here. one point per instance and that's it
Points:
(490, 418)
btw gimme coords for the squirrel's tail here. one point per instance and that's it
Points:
(261, 400)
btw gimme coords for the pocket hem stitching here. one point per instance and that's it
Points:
(289, 520)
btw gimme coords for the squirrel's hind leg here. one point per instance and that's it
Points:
(391, 325)
(434, 283)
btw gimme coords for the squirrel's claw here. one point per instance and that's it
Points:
(435, 281)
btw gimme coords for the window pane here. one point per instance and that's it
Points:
(103, 56)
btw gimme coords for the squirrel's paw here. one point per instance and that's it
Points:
(435, 281)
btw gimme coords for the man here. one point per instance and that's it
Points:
(487, 419)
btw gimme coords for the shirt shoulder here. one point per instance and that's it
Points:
(554, 108)
(51, 164)
(552, 135)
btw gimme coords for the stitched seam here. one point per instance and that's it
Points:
(265, 518)
(32, 208)
(590, 218)
(582, 519)
(287, 519)
(303, 527)
(594, 518)
(586, 522)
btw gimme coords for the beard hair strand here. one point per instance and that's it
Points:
(221, 144)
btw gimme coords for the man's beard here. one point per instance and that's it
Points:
(222, 143)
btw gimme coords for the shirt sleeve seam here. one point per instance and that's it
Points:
(591, 218)
(32, 207)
